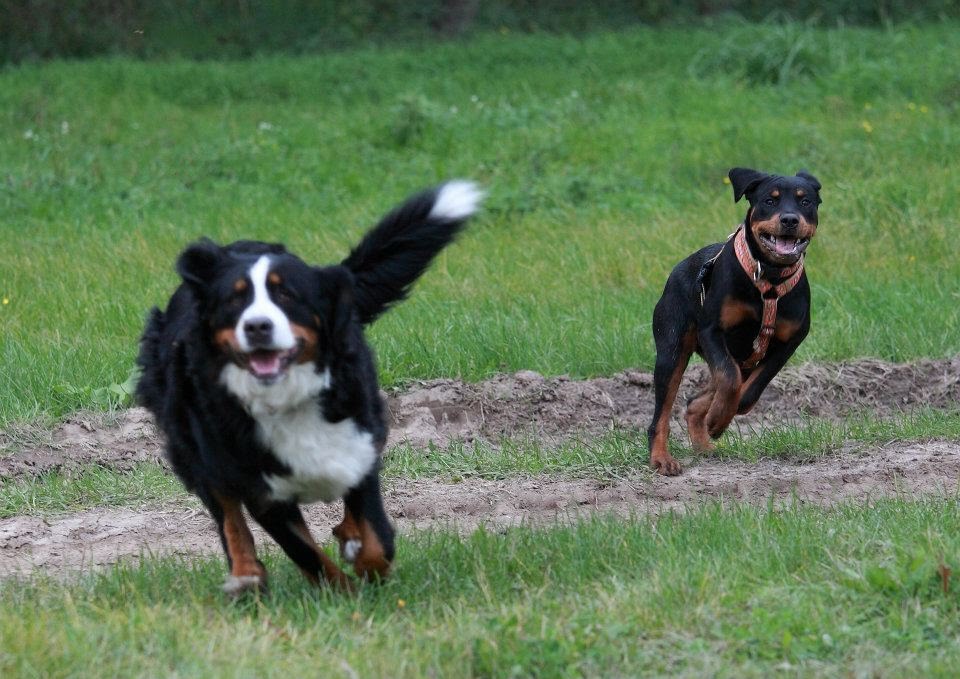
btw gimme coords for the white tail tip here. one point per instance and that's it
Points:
(457, 199)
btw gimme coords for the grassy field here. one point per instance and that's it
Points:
(719, 592)
(604, 158)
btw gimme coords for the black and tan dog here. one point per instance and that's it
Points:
(261, 380)
(743, 305)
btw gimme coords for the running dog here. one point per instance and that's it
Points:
(743, 305)
(260, 378)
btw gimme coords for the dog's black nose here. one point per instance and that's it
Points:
(259, 331)
(790, 221)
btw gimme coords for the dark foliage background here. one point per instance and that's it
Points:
(229, 29)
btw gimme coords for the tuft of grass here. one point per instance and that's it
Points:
(775, 52)
(86, 488)
(730, 591)
(813, 438)
(604, 158)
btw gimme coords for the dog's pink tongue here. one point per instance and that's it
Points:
(785, 246)
(264, 363)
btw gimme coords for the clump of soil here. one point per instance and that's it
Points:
(440, 411)
(526, 403)
(116, 440)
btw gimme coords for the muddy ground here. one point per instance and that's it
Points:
(525, 403)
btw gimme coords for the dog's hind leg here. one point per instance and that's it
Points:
(284, 522)
(676, 340)
(365, 534)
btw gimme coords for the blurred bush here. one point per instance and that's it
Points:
(227, 29)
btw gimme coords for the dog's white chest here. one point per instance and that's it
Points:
(326, 459)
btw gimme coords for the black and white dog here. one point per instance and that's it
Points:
(260, 378)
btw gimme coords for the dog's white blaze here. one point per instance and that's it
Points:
(326, 459)
(263, 307)
(457, 199)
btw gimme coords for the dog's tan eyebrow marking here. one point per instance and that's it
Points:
(240, 285)
(775, 193)
(800, 193)
(274, 278)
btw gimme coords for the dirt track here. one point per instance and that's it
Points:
(102, 536)
(443, 410)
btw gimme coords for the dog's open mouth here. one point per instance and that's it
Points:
(784, 246)
(269, 365)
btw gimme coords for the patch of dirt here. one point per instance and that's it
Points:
(99, 537)
(117, 440)
(440, 411)
(527, 404)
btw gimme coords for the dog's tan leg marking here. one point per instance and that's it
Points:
(695, 416)
(660, 458)
(348, 535)
(371, 561)
(246, 573)
(726, 400)
(331, 572)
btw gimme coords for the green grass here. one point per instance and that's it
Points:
(608, 457)
(731, 592)
(603, 156)
(90, 487)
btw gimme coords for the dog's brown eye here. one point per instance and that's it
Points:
(282, 295)
(805, 202)
(770, 201)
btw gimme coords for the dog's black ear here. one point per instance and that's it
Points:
(744, 180)
(198, 264)
(338, 306)
(803, 174)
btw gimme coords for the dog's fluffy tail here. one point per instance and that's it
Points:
(393, 255)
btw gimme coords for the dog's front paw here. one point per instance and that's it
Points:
(372, 569)
(349, 550)
(699, 434)
(237, 585)
(665, 464)
(702, 445)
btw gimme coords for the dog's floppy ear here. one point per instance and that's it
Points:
(198, 264)
(744, 180)
(337, 293)
(803, 174)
